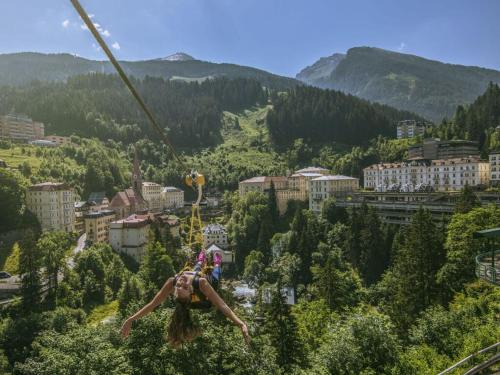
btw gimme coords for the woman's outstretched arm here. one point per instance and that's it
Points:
(164, 292)
(218, 302)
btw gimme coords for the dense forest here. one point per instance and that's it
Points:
(478, 121)
(99, 105)
(322, 116)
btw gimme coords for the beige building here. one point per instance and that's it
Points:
(81, 209)
(439, 175)
(20, 128)
(215, 234)
(410, 129)
(495, 168)
(53, 205)
(97, 225)
(172, 198)
(324, 187)
(151, 192)
(294, 187)
(227, 256)
(130, 236)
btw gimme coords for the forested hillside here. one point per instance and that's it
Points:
(479, 121)
(22, 68)
(99, 105)
(322, 116)
(430, 88)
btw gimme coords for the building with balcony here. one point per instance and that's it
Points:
(171, 198)
(410, 129)
(97, 225)
(329, 186)
(438, 175)
(215, 234)
(53, 205)
(432, 149)
(130, 236)
(20, 128)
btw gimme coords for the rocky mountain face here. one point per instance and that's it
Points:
(430, 88)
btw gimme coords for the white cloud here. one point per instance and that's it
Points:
(106, 33)
(115, 45)
(402, 47)
(91, 15)
(65, 23)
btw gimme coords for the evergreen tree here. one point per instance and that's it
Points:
(415, 267)
(467, 200)
(156, 267)
(30, 261)
(282, 329)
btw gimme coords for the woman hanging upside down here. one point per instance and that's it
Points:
(190, 289)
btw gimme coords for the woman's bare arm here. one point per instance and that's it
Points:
(219, 303)
(164, 292)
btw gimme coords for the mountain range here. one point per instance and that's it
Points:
(22, 68)
(430, 88)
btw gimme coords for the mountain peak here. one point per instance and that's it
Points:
(322, 68)
(178, 56)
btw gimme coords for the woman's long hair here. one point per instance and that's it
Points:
(181, 328)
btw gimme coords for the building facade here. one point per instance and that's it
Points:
(439, 175)
(215, 234)
(20, 128)
(130, 236)
(226, 255)
(58, 139)
(151, 192)
(53, 205)
(329, 186)
(97, 225)
(171, 198)
(495, 168)
(294, 187)
(432, 149)
(410, 129)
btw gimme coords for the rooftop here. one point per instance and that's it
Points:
(102, 213)
(312, 170)
(210, 228)
(150, 184)
(333, 178)
(168, 189)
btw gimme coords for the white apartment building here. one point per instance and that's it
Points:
(215, 234)
(495, 168)
(172, 197)
(151, 192)
(324, 187)
(409, 129)
(441, 174)
(53, 205)
(130, 235)
(20, 128)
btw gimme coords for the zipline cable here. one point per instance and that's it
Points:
(123, 76)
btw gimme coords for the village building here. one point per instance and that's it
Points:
(20, 128)
(97, 225)
(130, 235)
(171, 198)
(53, 205)
(330, 186)
(215, 234)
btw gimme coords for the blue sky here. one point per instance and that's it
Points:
(281, 36)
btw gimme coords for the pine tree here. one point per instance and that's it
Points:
(30, 261)
(467, 200)
(282, 329)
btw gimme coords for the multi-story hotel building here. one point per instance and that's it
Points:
(151, 192)
(410, 129)
(495, 168)
(53, 205)
(20, 128)
(58, 139)
(294, 187)
(324, 187)
(97, 225)
(441, 175)
(171, 198)
(130, 235)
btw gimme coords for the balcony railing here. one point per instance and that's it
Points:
(487, 268)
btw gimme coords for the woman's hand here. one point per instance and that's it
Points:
(244, 331)
(125, 330)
